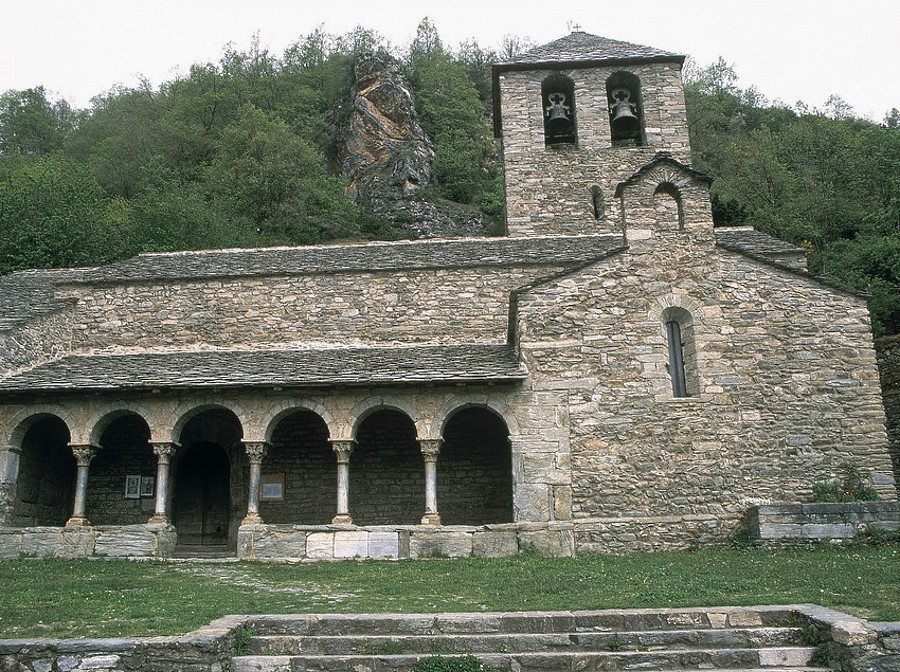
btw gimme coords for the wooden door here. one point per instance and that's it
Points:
(202, 496)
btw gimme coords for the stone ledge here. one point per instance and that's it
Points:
(822, 521)
(400, 542)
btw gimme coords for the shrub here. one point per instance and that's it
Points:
(853, 487)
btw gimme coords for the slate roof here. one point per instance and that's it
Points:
(583, 48)
(749, 240)
(29, 294)
(381, 256)
(358, 366)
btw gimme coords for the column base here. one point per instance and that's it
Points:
(252, 519)
(342, 519)
(431, 519)
(158, 520)
(78, 521)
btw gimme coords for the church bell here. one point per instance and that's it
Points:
(557, 110)
(624, 121)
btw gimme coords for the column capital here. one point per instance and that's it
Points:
(83, 452)
(430, 448)
(343, 448)
(163, 449)
(256, 450)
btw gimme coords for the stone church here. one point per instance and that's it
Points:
(613, 374)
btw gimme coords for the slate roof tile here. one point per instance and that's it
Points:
(27, 294)
(468, 363)
(581, 46)
(381, 256)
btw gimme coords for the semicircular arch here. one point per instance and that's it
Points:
(365, 408)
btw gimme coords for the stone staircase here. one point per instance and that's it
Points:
(765, 639)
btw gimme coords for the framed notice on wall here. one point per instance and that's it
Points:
(271, 488)
(147, 483)
(133, 486)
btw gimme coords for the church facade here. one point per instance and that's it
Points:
(614, 374)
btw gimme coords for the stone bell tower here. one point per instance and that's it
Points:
(577, 117)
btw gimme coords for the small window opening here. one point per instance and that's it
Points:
(623, 92)
(668, 203)
(558, 102)
(597, 202)
(676, 359)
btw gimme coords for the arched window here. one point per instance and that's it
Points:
(626, 119)
(558, 103)
(682, 352)
(668, 203)
(597, 202)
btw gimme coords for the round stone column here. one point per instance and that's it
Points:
(256, 451)
(431, 448)
(164, 453)
(83, 456)
(343, 448)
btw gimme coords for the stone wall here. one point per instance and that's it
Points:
(764, 423)
(888, 349)
(115, 541)
(417, 306)
(548, 189)
(208, 649)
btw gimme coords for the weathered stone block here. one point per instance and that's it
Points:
(351, 544)
(383, 545)
(495, 543)
(450, 544)
(127, 541)
(852, 633)
(320, 546)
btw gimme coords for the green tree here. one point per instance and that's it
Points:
(266, 175)
(169, 214)
(53, 214)
(465, 167)
(121, 133)
(32, 125)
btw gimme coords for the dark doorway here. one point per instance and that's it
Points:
(387, 472)
(301, 455)
(475, 470)
(203, 496)
(46, 481)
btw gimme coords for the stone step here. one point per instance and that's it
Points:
(340, 645)
(521, 622)
(768, 659)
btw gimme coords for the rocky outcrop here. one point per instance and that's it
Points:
(386, 155)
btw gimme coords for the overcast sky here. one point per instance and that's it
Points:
(789, 49)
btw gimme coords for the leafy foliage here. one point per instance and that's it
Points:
(53, 213)
(853, 487)
(822, 179)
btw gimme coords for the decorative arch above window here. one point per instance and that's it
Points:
(626, 119)
(558, 103)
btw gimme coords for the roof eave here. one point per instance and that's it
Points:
(142, 388)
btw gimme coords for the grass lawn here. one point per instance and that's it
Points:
(106, 598)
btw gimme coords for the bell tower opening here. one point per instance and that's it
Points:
(558, 101)
(626, 124)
